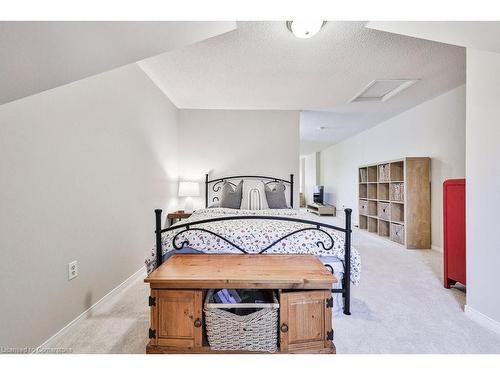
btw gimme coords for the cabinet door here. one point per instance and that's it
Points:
(177, 319)
(305, 321)
(454, 231)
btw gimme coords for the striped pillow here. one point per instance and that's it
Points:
(254, 196)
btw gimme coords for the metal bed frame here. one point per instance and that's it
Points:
(326, 245)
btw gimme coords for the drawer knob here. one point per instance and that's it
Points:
(284, 328)
(197, 323)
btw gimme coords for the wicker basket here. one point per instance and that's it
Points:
(384, 211)
(398, 233)
(397, 192)
(363, 207)
(383, 173)
(257, 331)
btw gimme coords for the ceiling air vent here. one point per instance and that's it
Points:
(381, 90)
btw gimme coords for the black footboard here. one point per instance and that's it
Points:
(327, 244)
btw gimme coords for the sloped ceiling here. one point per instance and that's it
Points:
(482, 35)
(37, 56)
(256, 65)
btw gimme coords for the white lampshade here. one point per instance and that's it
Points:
(189, 189)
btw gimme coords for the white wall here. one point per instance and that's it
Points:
(312, 175)
(435, 128)
(483, 185)
(82, 168)
(234, 142)
(302, 174)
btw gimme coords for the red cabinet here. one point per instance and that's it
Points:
(454, 231)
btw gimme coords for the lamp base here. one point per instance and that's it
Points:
(188, 205)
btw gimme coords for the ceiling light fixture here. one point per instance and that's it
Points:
(304, 29)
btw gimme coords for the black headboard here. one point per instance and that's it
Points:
(216, 184)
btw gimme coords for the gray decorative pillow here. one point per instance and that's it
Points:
(230, 196)
(276, 196)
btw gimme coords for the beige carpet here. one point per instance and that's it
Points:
(399, 307)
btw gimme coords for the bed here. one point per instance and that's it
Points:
(263, 231)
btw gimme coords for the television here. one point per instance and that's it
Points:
(318, 194)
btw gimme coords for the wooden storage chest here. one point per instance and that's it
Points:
(178, 288)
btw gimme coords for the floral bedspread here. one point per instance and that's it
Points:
(255, 235)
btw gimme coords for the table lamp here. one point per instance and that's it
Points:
(189, 190)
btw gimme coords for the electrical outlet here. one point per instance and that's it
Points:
(72, 270)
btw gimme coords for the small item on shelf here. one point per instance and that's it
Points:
(249, 296)
(222, 296)
(228, 296)
(235, 295)
(217, 298)
(242, 296)
(363, 177)
(225, 297)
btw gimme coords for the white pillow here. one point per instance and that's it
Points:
(253, 196)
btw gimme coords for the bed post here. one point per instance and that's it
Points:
(206, 190)
(159, 250)
(347, 258)
(291, 190)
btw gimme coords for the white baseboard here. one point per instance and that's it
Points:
(437, 248)
(482, 319)
(139, 273)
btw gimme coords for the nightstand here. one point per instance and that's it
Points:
(177, 215)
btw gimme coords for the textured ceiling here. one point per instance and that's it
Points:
(475, 34)
(261, 65)
(37, 56)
